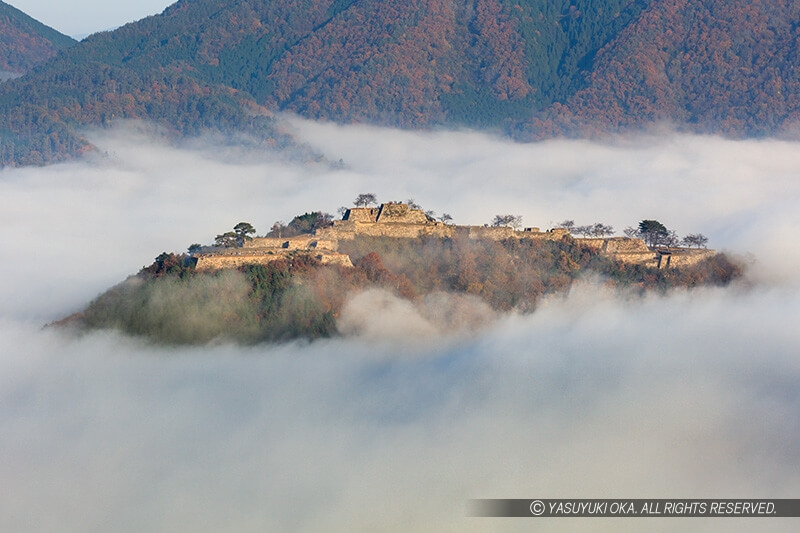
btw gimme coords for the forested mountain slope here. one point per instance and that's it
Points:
(25, 42)
(730, 68)
(534, 68)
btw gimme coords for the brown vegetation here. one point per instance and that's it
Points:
(297, 296)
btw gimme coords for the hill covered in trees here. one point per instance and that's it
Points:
(24, 42)
(531, 68)
(455, 282)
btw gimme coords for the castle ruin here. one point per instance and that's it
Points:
(399, 220)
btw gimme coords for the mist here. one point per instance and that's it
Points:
(394, 426)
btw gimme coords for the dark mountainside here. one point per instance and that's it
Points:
(719, 67)
(532, 69)
(25, 42)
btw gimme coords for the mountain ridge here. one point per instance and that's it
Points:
(533, 69)
(25, 41)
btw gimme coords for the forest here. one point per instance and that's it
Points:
(24, 42)
(531, 69)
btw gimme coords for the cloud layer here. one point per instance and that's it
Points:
(594, 395)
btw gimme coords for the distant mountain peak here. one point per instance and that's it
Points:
(24, 42)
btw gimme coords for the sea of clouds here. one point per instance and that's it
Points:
(394, 427)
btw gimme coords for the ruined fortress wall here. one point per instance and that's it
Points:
(232, 260)
(594, 244)
(326, 244)
(361, 214)
(498, 233)
(334, 259)
(558, 233)
(400, 221)
(555, 234)
(648, 258)
(490, 232)
(626, 245)
(625, 249)
(300, 242)
(341, 230)
(338, 225)
(403, 231)
(401, 213)
(684, 258)
(264, 242)
(616, 245)
(219, 261)
(656, 259)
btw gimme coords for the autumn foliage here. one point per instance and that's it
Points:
(533, 68)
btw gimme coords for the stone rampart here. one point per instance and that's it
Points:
(216, 261)
(498, 233)
(625, 245)
(397, 220)
(616, 245)
(334, 258)
(221, 260)
(555, 234)
(401, 213)
(403, 231)
(682, 257)
(300, 242)
(594, 244)
(495, 233)
(264, 242)
(342, 230)
(649, 259)
(361, 214)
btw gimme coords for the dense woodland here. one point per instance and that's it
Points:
(296, 297)
(25, 42)
(532, 68)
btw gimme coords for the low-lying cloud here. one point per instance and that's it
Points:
(377, 314)
(689, 395)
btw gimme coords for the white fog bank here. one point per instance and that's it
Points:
(689, 395)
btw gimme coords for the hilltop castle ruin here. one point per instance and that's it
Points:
(399, 220)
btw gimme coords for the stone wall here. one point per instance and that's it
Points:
(498, 233)
(618, 245)
(635, 251)
(334, 258)
(229, 259)
(401, 213)
(361, 214)
(403, 231)
(594, 244)
(494, 233)
(682, 257)
(397, 220)
(342, 230)
(649, 259)
(216, 261)
(264, 242)
(555, 234)
(300, 242)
